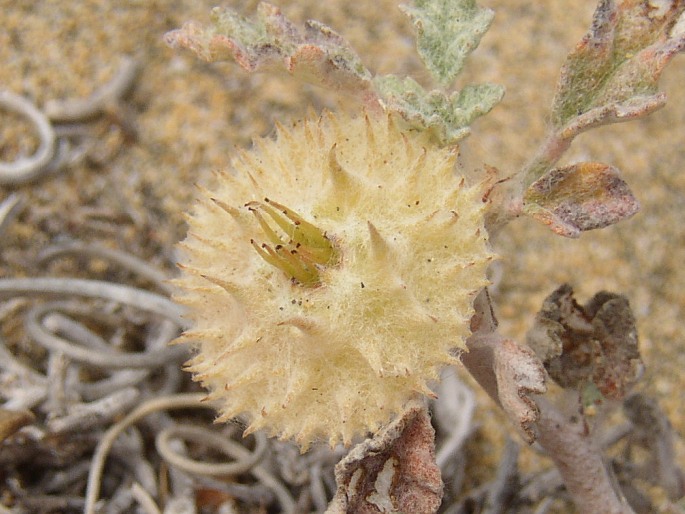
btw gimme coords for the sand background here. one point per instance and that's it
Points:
(189, 115)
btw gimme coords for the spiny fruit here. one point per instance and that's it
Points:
(329, 275)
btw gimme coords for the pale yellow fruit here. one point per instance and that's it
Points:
(329, 275)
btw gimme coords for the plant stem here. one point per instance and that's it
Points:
(547, 155)
(507, 198)
(568, 442)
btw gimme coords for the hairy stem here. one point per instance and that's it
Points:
(570, 445)
(506, 197)
(547, 155)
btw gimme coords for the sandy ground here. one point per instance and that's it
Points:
(189, 115)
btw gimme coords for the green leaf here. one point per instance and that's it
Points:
(316, 55)
(447, 32)
(447, 116)
(580, 197)
(613, 73)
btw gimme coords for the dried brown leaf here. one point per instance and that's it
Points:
(395, 471)
(591, 345)
(580, 197)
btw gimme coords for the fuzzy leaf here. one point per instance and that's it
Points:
(612, 75)
(318, 55)
(592, 345)
(580, 197)
(395, 471)
(448, 116)
(447, 32)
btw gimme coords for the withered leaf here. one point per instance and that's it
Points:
(613, 73)
(580, 197)
(595, 344)
(520, 375)
(512, 374)
(395, 471)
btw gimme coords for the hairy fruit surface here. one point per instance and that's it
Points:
(329, 275)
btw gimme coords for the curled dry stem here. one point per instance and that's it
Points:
(55, 151)
(104, 446)
(9, 209)
(37, 327)
(79, 109)
(178, 401)
(26, 169)
(144, 499)
(144, 300)
(247, 460)
(124, 259)
(97, 413)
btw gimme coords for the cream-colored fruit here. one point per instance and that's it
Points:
(329, 275)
